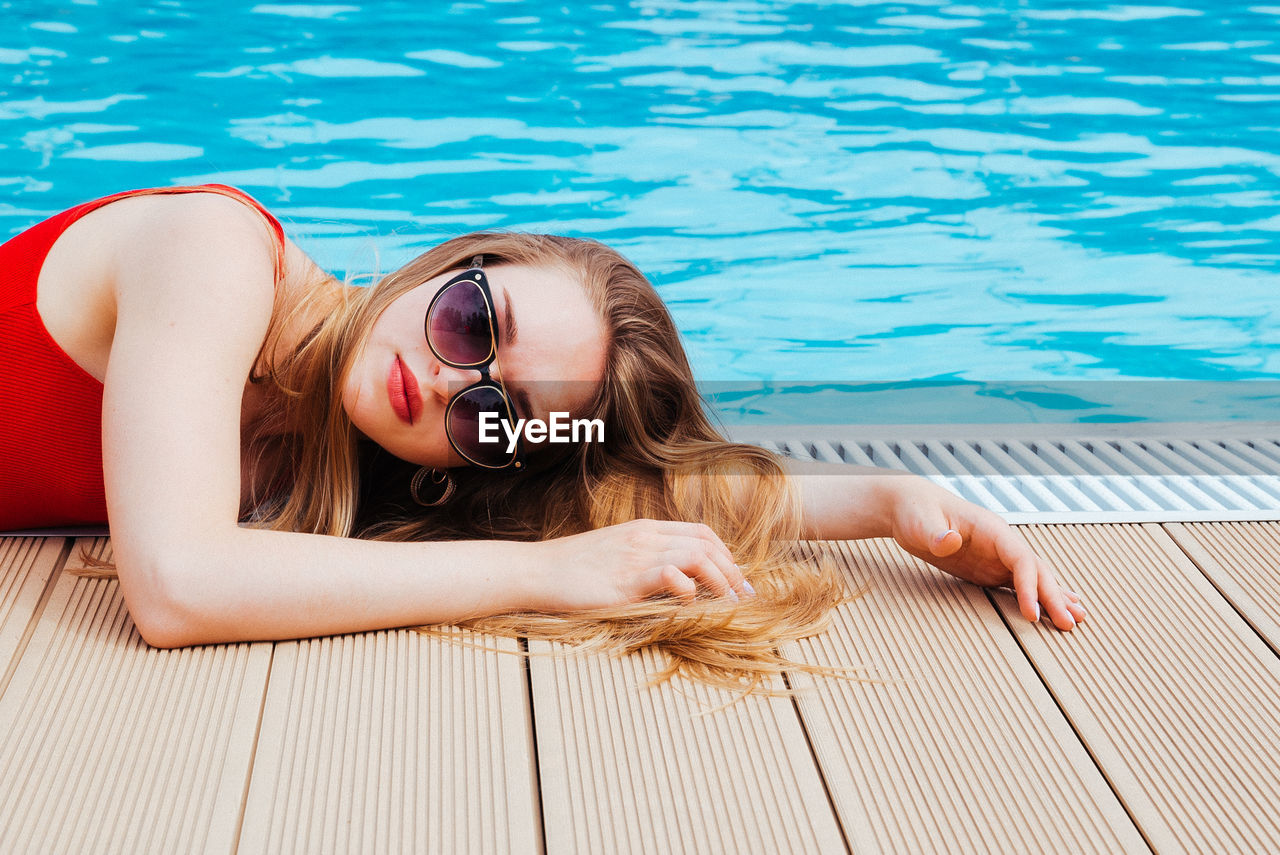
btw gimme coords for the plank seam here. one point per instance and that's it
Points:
(253, 756)
(541, 837)
(20, 650)
(1228, 596)
(1084, 743)
(813, 755)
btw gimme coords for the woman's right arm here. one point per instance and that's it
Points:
(192, 276)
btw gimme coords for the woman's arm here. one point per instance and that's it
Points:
(192, 275)
(970, 542)
(842, 501)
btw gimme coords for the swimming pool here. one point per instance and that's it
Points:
(886, 212)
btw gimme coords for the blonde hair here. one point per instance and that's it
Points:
(662, 458)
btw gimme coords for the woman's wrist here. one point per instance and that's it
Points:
(523, 578)
(844, 502)
(885, 493)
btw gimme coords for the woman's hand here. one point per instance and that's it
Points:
(978, 546)
(623, 564)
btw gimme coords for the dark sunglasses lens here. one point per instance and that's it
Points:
(458, 325)
(464, 426)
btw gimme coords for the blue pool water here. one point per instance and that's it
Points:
(857, 211)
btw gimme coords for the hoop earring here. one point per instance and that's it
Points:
(438, 477)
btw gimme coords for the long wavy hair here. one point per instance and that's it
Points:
(662, 458)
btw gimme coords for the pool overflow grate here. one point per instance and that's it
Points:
(1081, 479)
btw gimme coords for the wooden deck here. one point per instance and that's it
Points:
(1154, 726)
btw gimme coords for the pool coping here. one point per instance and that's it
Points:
(1242, 429)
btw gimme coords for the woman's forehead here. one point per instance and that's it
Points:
(558, 354)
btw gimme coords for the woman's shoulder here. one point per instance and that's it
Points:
(168, 221)
(145, 216)
(174, 244)
(146, 250)
(162, 222)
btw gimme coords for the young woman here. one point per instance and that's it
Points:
(281, 455)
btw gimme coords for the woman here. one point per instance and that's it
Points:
(272, 459)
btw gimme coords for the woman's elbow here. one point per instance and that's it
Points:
(162, 637)
(152, 588)
(165, 627)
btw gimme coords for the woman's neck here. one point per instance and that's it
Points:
(308, 296)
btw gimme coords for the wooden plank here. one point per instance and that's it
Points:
(107, 744)
(1241, 560)
(1174, 694)
(394, 742)
(28, 566)
(626, 768)
(959, 747)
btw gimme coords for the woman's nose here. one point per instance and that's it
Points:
(449, 381)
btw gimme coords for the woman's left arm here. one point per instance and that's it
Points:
(843, 502)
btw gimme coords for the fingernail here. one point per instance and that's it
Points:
(1037, 612)
(943, 536)
(750, 590)
(733, 594)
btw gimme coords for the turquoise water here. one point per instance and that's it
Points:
(889, 212)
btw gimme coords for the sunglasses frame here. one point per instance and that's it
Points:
(475, 275)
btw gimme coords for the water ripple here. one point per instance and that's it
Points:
(867, 192)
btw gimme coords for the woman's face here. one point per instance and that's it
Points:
(555, 364)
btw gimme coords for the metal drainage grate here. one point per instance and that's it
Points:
(1069, 479)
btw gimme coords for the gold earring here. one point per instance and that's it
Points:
(438, 477)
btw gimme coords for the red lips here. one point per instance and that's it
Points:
(403, 392)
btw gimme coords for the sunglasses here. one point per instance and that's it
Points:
(462, 331)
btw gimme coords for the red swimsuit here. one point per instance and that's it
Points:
(51, 408)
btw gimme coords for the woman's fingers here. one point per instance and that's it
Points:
(699, 552)
(670, 579)
(681, 580)
(1055, 600)
(928, 529)
(1037, 587)
(1075, 604)
(946, 542)
(1040, 594)
(1025, 568)
(693, 548)
(626, 562)
(714, 547)
(704, 568)
(1063, 607)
